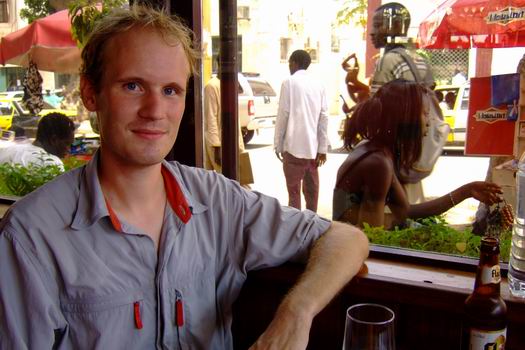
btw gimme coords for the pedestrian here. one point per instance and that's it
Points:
(213, 132)
(459, 78)
(389, 128)
(389, 28)
(54, 136)
(133, 252)
(301, 139)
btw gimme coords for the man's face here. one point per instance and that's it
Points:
(141, 98)
(292, 65)
(377, 33)
(60, 147)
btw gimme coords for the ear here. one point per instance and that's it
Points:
(87, 93)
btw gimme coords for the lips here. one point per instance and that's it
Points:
(149, 134)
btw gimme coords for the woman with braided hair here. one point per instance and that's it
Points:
(384, 136)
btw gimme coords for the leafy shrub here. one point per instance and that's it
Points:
(19, 180)
(434, 235)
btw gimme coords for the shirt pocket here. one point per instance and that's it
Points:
(196, 314)
(117, 321)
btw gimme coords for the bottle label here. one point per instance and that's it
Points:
(487, 340)
(490, 274)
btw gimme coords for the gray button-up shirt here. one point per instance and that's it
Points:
(70, 278)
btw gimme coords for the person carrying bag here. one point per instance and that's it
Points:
(437, 130)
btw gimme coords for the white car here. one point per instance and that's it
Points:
(261, 112)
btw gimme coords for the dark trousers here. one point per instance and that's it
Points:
(305, 170)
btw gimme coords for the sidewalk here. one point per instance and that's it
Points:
(449, 173)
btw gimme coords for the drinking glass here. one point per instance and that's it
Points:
(369, 327)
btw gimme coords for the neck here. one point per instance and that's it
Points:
(38, 144)
(130, 188)
(389, 47)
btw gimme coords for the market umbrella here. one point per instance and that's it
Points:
(463, 24)
(46, 41)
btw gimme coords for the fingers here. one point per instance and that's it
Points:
(490, 193)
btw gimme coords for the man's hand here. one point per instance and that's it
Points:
(287, 331)
(320, 159)
(217, 155)
(279, 156)
(335, 258)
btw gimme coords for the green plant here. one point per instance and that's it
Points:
(84, 15)
(19, 180)
(35, 9)
(435, 235)
(353, 11)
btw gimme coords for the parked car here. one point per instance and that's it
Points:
(12, 94)
(21, 117)
(455, 110)
(258, 104)
(7, 111)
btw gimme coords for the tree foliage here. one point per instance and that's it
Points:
(353, 11)
(85, 13)
(35, 9)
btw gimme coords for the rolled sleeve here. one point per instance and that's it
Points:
(273, 234)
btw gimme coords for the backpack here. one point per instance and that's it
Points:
(437, 130)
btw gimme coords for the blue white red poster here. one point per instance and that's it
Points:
(492, 114)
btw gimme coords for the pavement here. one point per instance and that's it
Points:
(449, 173)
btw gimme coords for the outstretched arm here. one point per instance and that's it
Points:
(335, 259)
(483, 191)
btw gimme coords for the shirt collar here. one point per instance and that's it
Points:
(92, 205)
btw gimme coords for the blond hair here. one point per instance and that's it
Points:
(120, 20)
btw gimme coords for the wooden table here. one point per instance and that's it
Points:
(427, 301)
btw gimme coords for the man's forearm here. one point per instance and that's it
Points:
(334, 260)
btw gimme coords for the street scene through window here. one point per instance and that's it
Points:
(267, 35)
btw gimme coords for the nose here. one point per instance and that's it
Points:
(152, 106)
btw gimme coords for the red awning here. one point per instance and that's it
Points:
(462, 24)
(47, 41)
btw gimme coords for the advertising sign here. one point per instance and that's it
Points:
(492, 115)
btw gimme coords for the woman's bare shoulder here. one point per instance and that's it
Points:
(363, 164)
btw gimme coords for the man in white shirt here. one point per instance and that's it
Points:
(54, 137)
(458, 78)
(301, 139)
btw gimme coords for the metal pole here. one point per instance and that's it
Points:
(229, 89)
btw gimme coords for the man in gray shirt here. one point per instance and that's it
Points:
(133, 252)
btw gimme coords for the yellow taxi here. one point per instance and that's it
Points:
(7, 111)
(14, 113)
(21, 110)
(453, 100)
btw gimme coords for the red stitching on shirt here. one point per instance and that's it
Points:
(113, 217)
(179, 313)
(138, 320)
(175, 196)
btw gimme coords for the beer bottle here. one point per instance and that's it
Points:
(485, 321)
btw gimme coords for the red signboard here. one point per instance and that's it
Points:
(493, 109)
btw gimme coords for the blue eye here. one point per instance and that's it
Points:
(131, 86)
(169, 91)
